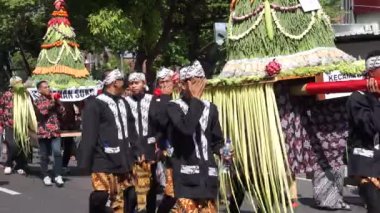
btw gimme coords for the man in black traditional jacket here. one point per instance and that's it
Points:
(196, 135)
(166, 84)
(363, 143)
(109, 148)
(145, 109)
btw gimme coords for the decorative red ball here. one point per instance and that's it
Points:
(273, 68)
(57, 96)
(157, 92)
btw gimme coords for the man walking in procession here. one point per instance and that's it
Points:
(166, 84)
(196, 135)
(109, 148)
(49, 110)
(145, 109)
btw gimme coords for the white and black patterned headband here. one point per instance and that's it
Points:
(136, 76)
(195, 70)
(164, 73)
(113, 76)
(372, 63)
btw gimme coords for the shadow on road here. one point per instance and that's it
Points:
(307, 202)
(2, 183)
(76, 172)
(35, 171)
(357, 201)
(351, 200)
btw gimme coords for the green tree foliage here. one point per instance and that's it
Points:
(21, 27)
(257, 42)
(333, 8)
(114, 29)
(23, 19)
(166, 32)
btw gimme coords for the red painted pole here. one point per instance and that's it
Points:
(315, 88)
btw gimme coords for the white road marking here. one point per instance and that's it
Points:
(8, 191)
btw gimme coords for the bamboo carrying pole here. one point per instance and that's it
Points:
(315, 88)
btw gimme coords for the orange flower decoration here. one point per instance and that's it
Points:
(58, 44)
(73, 44)
(61, 13)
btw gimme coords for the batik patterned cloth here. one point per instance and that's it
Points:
(114, 184)
(164, 73)
(328, 131)
(144, 108)
(48, 127)
(315, 134)
(143, 175)
(203, 121)
(328, 188)
(6, 109)
(169, 187)
(297, 140)
(315, 131)
(136, 76)
(194, 206)
(117, 107)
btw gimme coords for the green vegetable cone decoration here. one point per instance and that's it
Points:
(60, 53)
(268, 20)
(262, 32)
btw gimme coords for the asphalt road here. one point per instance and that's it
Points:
(20, 194)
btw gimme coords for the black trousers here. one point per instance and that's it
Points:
(68, 148)
(371, 196)
(167, 204)
(98, 201)
(151, 198)
(14, 152)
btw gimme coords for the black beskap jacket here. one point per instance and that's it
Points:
(103, 148)
(149, 140)
(194, 177)
(364, 120)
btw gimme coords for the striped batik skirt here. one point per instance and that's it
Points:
(194, 206)
(328, 188)
(114, 184)
(169, 186)
(143, 175)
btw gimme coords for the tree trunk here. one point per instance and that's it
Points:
(140, 58)
(149, 58)
(149, 72)
(26, 63)
(5, 71)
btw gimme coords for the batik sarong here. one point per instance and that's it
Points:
(169, 187)
(160, 174)
(328, 188)
(114, 184)
(143, 177)
(194, 206)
